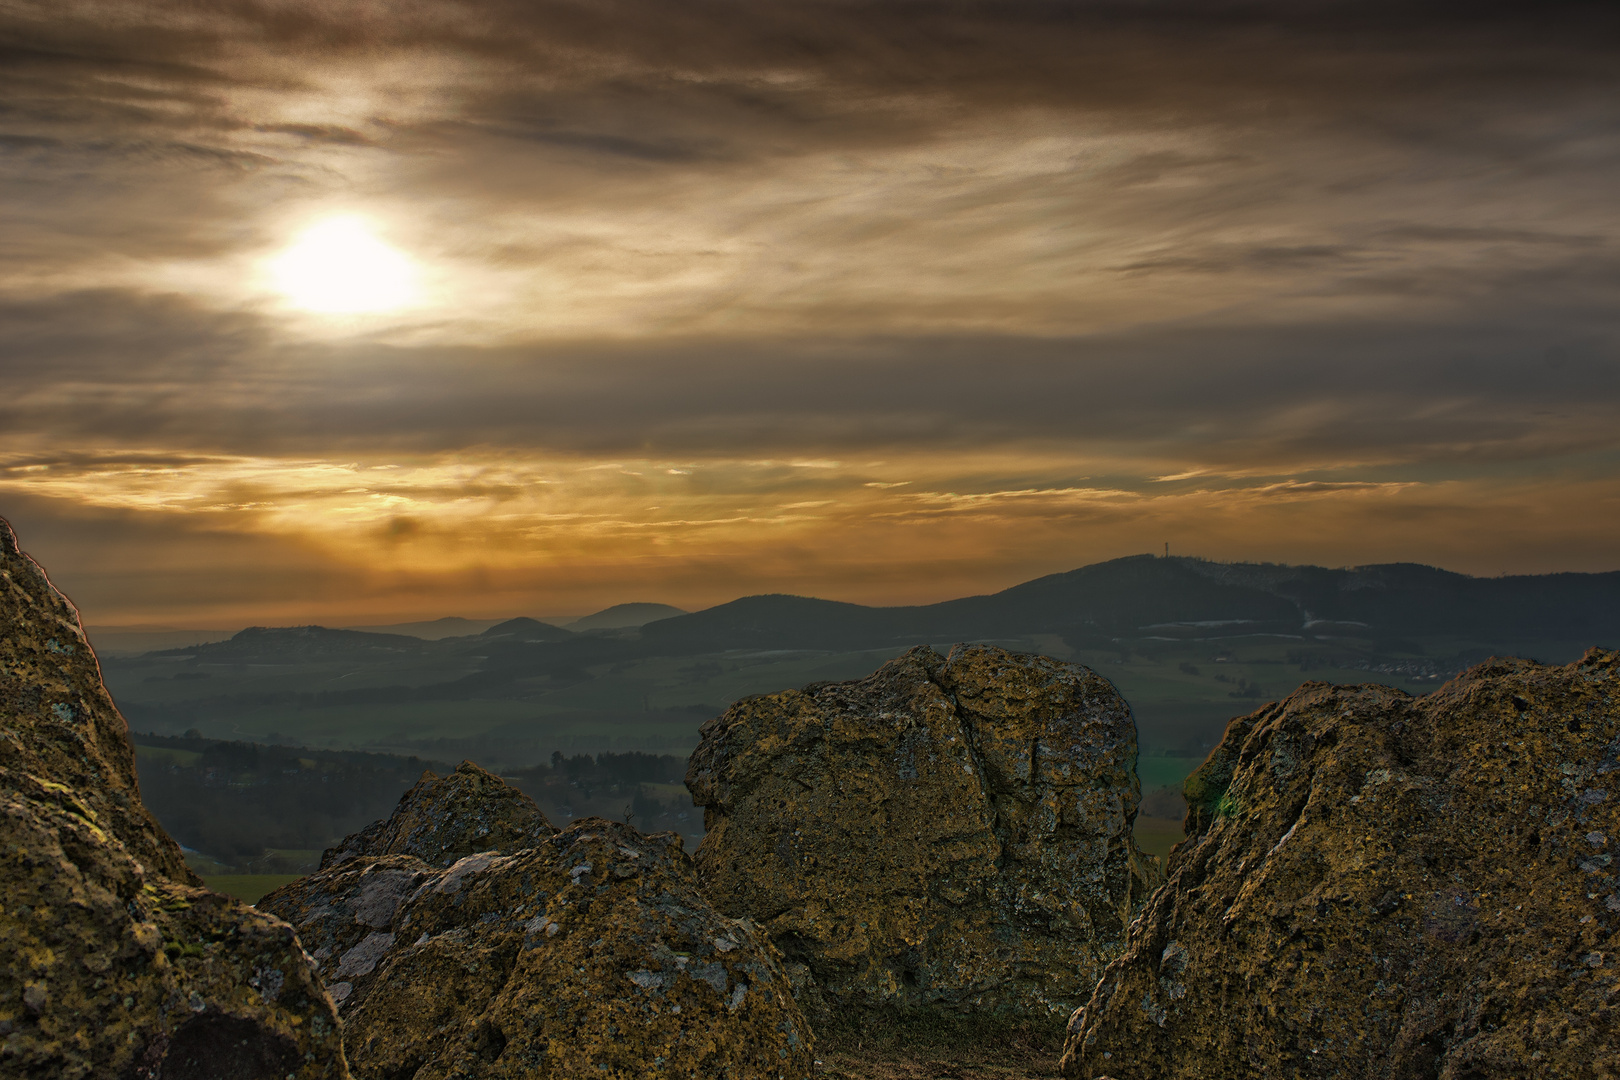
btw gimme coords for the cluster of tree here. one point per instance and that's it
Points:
(266, 809)
(511, 748)
(644, 789)
(260, 808)
(1245, 688)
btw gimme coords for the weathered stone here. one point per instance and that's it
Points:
(593, 953)
(947, 834)
(60, 723)
(443, 819)
(1377, 885)
(117, 965)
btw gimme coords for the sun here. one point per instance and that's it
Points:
(338, 266)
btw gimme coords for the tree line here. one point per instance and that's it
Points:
(258, 808)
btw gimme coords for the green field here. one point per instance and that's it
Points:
(1182, 693)
(1185, 711)
(654, 705)
(1157, 836)
(248, 888)
(166, 756)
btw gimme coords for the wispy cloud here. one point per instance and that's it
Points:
(1083, 276)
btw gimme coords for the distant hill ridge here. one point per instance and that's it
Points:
(623, 616)
(524, 628)
(1180, 597)
(1142, 596)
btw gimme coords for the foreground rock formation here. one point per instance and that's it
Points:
(948, 834)
(117, 963)
(585, 952)
(1375, 885)
(444, 819)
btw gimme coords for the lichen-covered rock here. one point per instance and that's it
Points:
(60, 724)
(117, 964)
(444, 819)
(1376, 885)
(947, 834)
(593, 953)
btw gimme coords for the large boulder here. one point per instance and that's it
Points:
(118, 963)
(948, 834)
(446, 818)
(592, 953)
(1376, 885)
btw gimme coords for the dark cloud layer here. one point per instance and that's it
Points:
(104, 370)
(647, 81)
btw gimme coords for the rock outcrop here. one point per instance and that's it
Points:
(591, 953)
(444, 819)
(1375, 885)
(117, 963)
(948, 834)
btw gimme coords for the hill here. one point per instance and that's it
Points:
(432, 629)
(1145, 597)
(524, 628)
(622, 616)
(1189, 642)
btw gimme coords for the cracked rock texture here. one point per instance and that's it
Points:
(592, 953)
(949, 834)
(1376, 885)
(117, 964)
(444, 819)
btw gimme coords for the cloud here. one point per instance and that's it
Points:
(718, 168)
(730, 531)
(110, 372)
(1308, 265)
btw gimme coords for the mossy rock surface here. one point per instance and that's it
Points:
(594, 953)
(60, 724)
(117, 964)
(1381, 885)
(950, 835)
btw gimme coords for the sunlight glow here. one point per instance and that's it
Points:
(338, 266)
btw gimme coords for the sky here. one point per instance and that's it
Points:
(350, 310)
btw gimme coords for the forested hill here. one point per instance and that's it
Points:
(1147, 596)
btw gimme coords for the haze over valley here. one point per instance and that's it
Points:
(1190, 644)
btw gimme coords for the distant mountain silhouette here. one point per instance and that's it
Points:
(268, 644)
(622, 616)
(524, 628)
(1146, 596)
(434, 629)
(779, 621)
(1413, 599)
(1106, 605)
